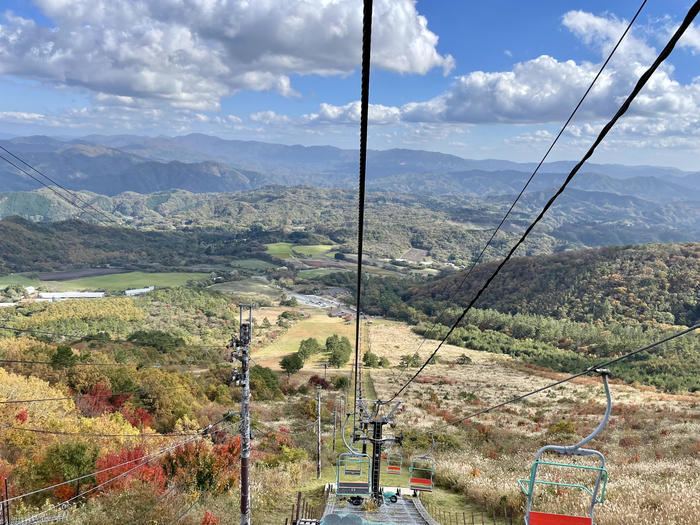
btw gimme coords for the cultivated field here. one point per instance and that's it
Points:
(110, 282)
(287, 250)
(252, 264)
(123, 281)
(651, 444)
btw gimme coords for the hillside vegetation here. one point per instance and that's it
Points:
(450, 228)
(657, 282)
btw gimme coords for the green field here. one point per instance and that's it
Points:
(287, 250)
(124, 281)
(16, 278)
(248, 286)
(252, 264)
(319, 272)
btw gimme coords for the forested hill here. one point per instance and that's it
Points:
(28, 246)
(654, 282)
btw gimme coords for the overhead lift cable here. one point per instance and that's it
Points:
(77, 337)
(72, 193)
(147, 460)
(687, 21)
(202, 432)
(529, 180)
(60, 195)
(203, 494)
(364, 112)
(600, 366)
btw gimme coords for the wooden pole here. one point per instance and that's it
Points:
(335, 423)
(7, 503)
(298, 506)
(318, 432)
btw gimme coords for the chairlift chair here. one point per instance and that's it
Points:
(597, 492)
(350, 480)
(421, 471)
(394, 462)
(351, 467)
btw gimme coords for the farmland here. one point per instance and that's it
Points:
(111, 282)
(287, 250)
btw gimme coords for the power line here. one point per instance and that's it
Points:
(692, 13)
(27, 362)
(529, 180)
(76, 396)
(89, 434)
(202, 431)
(60, 195)
(83, 337)
(75, 195)
(202, 495)
(575, 376)
(364, 112)
(153, 456)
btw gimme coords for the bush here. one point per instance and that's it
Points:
(339, 350)
(309, 347)
(370, 360)
(161, 341)
(292, 363)
(316, 380)
(264, 383)
(289, 301)
(341, 382)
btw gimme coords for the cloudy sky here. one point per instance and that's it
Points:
(476, 79)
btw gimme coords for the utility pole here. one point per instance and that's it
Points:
(242, 353)
(318, 430)
(335, 422)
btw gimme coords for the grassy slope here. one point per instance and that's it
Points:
(319, 325)
(650, 445)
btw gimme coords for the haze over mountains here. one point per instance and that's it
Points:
(168, 183)
(110, 165)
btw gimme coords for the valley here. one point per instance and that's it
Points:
(90, 384)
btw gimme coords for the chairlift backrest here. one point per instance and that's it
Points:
(350, 480)
(597, 492)
(394, 463)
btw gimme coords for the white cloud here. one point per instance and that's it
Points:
(691, 39)
(269, 117)
(19, 116)
(545, 90)
(350, 114)
(190, 53)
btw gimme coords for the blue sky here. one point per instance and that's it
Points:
(476, 79)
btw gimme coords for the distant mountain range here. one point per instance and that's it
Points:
(110, 165)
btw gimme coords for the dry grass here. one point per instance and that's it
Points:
(651, 445)
(317, 325)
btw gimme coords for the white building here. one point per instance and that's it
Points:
(139, 291)
(62, 296)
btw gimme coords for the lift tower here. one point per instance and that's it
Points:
(375, 421)
(241, 352)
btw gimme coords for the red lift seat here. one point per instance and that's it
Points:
(544, 518)
(396, 469)
(421, 484)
